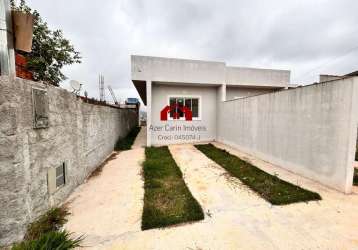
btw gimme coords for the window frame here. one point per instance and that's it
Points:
(186, 97)
(63, 175)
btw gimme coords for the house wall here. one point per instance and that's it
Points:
(171, 132)
(174, 70)
(234, 92)
(310, 130)
(257, 77)
(81, 135)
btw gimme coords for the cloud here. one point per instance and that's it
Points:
(308, 37)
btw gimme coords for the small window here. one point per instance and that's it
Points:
(191, 103)
(60, 175)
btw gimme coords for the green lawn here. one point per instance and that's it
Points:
(167, 200)
(355, 177)
(269, 187)
(127, 142)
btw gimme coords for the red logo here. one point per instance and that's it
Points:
(175, 108)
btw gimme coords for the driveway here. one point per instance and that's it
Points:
(110, 204)
(235, 217)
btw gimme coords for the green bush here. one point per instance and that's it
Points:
(59, 240)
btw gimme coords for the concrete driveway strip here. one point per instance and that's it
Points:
(236, 218)
(108, 210)
(110, 204)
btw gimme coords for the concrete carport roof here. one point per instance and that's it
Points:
(204, 73)
(142, 90)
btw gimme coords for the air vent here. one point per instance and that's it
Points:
(60, 175)
(56, 177)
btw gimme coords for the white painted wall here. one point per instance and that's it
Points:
(311, 130)
(234, 92)
(257, 77)
(159, 69)
(160, 95)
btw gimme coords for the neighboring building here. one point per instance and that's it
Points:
(199, 86)
(328, 78)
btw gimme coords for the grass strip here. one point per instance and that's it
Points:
(269, 187)
(355, 177)
(127, 142)
(167, 200)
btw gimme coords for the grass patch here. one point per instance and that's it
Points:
(127, 142)
(46, 233)
(167, 200)
(59, 240)
(53, 220)
(355, 177)
(269, 187)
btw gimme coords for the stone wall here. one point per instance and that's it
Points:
(80, 134)
(310, 130)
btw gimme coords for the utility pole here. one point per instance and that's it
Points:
(7, 52)
(102, 97)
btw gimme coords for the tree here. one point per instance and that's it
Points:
(50, 50)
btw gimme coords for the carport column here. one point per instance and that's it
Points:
(222, 92)
(220, 97)
(149, 112)
(7, 55)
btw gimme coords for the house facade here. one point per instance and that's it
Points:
(182, 96)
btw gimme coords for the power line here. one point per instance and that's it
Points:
(327, 62)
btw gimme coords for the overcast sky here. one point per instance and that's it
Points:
(308, 37)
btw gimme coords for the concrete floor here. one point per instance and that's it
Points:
(108, 210)
(110, 205)
(141, 140)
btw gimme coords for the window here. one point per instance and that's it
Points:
(60, 175)
(191, 103)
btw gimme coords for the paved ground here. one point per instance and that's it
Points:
(110, 204)
(236, 218)
(141, 139)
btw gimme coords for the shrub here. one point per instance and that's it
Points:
(53, 220)
(59, 240)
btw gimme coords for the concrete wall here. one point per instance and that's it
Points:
(311, 130)
(257, 77)
(238, 92)
(326, 78)
(174, 131)
(80, 134)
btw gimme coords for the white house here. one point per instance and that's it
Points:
(167, 85)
